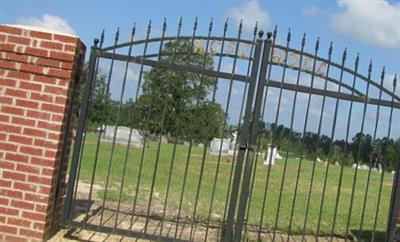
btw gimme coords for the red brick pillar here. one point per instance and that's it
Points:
(38, 73)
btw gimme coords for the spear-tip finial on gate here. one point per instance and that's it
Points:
(357, 61)
(195, 24)
(210, 26)
(240, 26)
(180, 25)
(255, 28)
(164, 26)
(260, 34)
(226, 25)
(117, 35)
(303, 40)
(275, 32)
(133, 31)
(289, 36)
(317, 45)
(369, 69)
(344, 55)
(383, 74)
(149, 27)
(102, 38)
(95, 42)
(394, 82)
(330, 49)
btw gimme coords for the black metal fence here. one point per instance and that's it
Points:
(313, 155)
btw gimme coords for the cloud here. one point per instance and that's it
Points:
(250, 12)
(374, 22)
(49, 22)
(311, 11)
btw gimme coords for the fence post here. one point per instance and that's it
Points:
(248, 140)
(243, 143)
(254, 129)
(80, 131)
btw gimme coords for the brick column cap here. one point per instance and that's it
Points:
(40, 29)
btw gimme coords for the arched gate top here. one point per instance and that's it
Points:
(240, 48)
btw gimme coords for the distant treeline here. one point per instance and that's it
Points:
(361, 147)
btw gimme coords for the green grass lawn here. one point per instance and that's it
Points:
(150, 154)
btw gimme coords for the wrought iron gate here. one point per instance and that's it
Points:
(172, 187)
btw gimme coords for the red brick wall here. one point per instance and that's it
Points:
(38, 70)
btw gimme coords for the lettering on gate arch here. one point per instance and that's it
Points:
(307, 64)
(278, 57)
(215, 47)
(199, 46)
(229, 48)
(321, 69)
(244, 52)
(293, 61)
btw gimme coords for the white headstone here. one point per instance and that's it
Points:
(234, 135)
(122, 135)
(379, 167)
(136, 138)
(164, 139)
(271, 156)
(222, 145)
(278, 156)
(235, 142)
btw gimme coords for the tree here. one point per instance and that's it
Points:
(310, 142)
(129, 115)
(392, 154)
(364, 143)
(101, 108)
(175, 102)
(325, 143)
(336, 154)
(202, 123)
